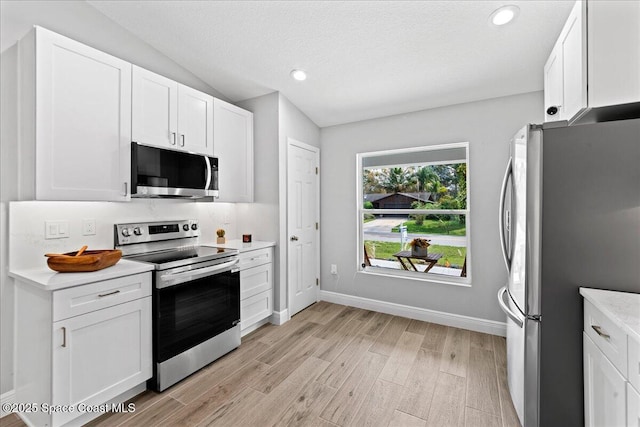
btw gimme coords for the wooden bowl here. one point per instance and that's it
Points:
(88, 261)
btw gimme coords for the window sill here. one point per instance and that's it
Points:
(464, 282)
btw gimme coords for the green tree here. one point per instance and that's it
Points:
(424, 176)
(396, 180)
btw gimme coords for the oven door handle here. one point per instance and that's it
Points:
(167, 280)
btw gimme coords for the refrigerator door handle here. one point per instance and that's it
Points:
(506, 253)
(503, 305)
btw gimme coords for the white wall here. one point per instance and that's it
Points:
(487, 126)
(80, 21)
(275, 120)
(262, 218)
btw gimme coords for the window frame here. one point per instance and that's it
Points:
(360, 211)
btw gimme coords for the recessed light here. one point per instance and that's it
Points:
(299, 75)
(504, 15)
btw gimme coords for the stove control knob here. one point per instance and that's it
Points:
(137, 231)
(194, 226)
(126, 232)
(185, 227)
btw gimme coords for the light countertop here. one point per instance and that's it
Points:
(622, 307)
(239, 245)
(49, 280)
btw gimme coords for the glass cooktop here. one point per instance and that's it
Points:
(182, 256)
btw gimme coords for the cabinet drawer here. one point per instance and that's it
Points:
(95, 296)
(634, 362)
(255, 280)
(255, 258)
(609, 338)
(256, 308)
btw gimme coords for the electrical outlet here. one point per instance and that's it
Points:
(88, 227)
(334, 269)
(56, 229)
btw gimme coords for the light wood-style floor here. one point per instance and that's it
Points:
(335, 365)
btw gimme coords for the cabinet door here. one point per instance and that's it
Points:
(573, 43)
(233, 146)
(154, 109)
(633, 407)
(604, 389)
(553, 91)
(83, 121)
(614, 56)
(101, 354)
(195, 121)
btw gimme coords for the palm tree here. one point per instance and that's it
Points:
(396, 180)
(424, 176)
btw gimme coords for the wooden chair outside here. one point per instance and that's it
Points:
(367, 262)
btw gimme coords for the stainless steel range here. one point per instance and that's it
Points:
(196, 296)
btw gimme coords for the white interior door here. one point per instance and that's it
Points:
(302, 225)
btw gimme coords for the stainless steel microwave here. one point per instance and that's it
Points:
(159, 172)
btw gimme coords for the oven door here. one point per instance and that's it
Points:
(193, 311)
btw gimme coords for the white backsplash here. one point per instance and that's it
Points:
(27, 243)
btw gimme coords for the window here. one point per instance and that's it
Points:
(413, 212)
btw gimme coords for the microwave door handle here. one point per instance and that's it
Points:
(173, 279)
(208, 177)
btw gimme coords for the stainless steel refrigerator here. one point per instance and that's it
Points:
(569, 217)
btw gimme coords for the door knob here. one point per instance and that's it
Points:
(294, 238)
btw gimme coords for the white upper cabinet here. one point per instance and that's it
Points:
(167, 114)
(75, 120)
(195, 121)
(154, 109)
(233, 139)
(595, 62)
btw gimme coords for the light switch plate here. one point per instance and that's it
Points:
(56, 229)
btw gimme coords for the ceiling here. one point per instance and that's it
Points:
(364, 59)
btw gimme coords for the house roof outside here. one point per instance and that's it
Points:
(421, 196)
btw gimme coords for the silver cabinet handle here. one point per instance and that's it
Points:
(173, 138)
(599, 331)
(182, 142)
(110, 293)
(294, 238)
(126, 189)
(64, 336)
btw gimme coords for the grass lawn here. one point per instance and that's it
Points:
(430, 226)
(384, 250)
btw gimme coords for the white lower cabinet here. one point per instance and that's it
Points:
(633, 406)
(605, 394)
(82, 360)
(256, 288)
(611, 358)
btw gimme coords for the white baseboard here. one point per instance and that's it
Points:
(449, 319)
(255, 326)
(7, 397)
(280, 317)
